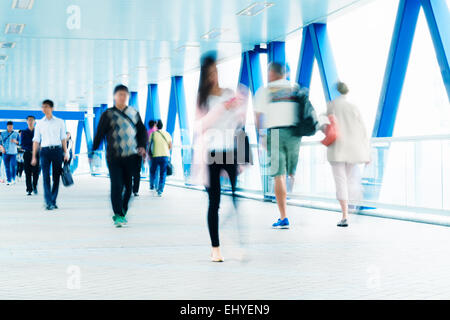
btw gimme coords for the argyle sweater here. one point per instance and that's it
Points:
(123, 137)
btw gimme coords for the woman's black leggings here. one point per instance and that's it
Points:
(214, 190)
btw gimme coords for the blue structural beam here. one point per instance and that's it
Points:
(177, 106)
(23, 114)
(277, 52)
(98, 111)
(134, 102)
(83, 126)
(250, 74)
(405, 26)
(325, 59)
(17, 125)
(316, 44)
(152, 111)
(306, 60)
(438, 18)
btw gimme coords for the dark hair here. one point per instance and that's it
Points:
(278, 68)
(9, 123)
(121, 87)
(49, 103)
(33, 117)
(159, 124)
(204, 87)
(151, 124)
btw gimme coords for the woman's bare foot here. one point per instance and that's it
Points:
(216, 256)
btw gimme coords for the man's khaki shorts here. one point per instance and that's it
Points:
(283, 151)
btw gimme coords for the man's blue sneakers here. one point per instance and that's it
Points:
(281, 224)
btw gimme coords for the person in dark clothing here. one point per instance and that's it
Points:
(137, 177)
(126, 139)
(31, 172)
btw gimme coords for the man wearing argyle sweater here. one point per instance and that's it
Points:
(126, 139)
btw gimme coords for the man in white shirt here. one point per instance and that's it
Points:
(276, 111)
(50, 138)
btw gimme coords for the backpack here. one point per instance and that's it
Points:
(307, 123)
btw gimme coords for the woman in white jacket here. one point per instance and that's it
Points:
(350, 149)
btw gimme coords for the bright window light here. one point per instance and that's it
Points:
(14, 28)
(22, 4)
(255, 9)
(7, 45)
(214, 33)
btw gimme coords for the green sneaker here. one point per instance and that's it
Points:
(124, 220)
(118, 221)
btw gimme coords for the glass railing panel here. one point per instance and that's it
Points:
(410, 172)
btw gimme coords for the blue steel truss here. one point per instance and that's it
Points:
(177, 106)
(438, 19)
(315, 44)
(17, 125)
(277, 52)
(98, 111)
(152, 111)
(134, 102)
(250, 73)
(80, 116)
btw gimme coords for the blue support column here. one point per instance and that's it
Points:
(134, 102)
(316, 44)
(77, 151)
(251, 77)
(325, 59)
(98, 111)
(87, 134)
(177, 105)
(306, 60)
(438, 18)
(277, 52)
(152, 111)
(405, 26)
(250, 74)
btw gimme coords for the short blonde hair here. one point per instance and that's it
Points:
(342, 87)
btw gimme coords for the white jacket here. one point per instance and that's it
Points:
(352, 144)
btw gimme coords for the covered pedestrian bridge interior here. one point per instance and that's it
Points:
(394, 56)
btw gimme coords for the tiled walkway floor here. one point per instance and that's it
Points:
(75, 252)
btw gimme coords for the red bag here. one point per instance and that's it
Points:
(331, 132)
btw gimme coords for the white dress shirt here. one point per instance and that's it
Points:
(50, 132)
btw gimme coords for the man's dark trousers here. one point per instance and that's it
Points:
(121, 171)
(53, 157)
(31, 172)
(137, 175)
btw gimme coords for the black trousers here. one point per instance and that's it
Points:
(121, 171)
(137, 175)
(214, 189)
(51, 157)
(31, 173)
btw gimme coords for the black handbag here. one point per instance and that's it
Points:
(66, 176)
(243, 153)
